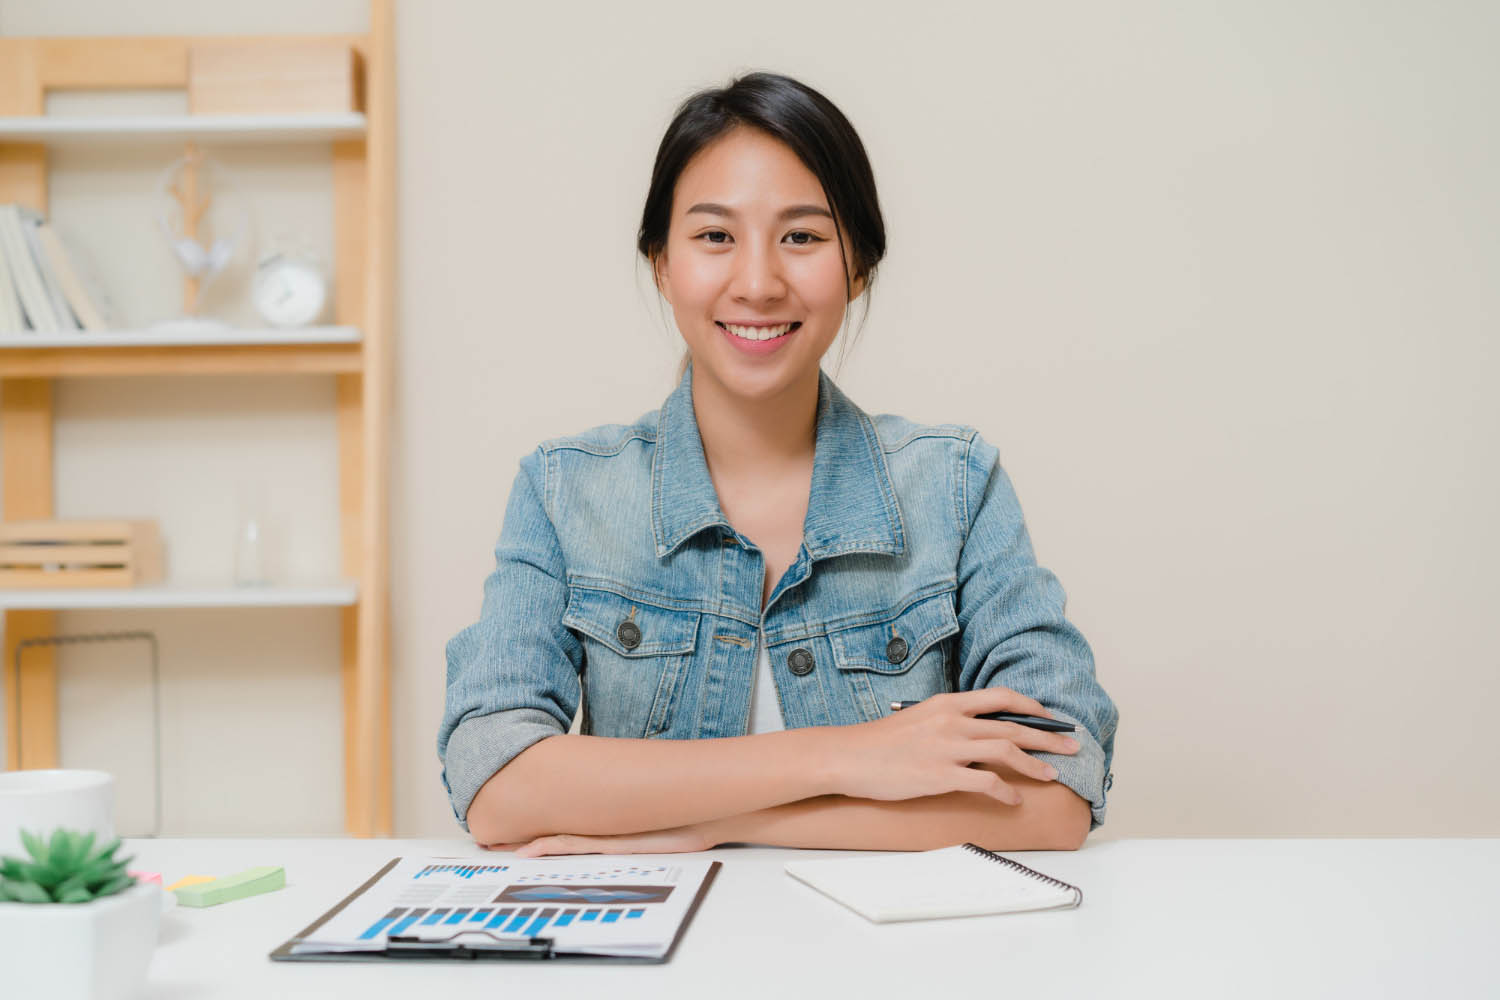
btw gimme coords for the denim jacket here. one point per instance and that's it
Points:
(620, 586)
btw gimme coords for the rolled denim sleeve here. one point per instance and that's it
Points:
(1014, 632)
(513, 676)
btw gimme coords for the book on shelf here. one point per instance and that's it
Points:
(11, 319)
(41, 289)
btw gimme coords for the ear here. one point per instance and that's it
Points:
(856, 288)
(659, 274)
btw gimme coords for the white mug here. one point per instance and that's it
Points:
(40, 801)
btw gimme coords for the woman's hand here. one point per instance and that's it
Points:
(677, 840)
(927, 749)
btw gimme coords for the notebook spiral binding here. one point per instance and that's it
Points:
(1032, 872)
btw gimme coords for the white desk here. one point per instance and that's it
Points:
(1209, 918)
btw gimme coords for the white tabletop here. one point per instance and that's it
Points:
(1210, 918)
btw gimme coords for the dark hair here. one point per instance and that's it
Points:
(811, 126)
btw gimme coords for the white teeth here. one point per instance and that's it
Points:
(758, 332)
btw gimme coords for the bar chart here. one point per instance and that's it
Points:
(528, 921)
(462, 871)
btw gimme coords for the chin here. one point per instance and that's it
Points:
(750, 377)
(757, 381)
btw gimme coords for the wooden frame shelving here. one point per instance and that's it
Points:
(357, 352)
(204, 129)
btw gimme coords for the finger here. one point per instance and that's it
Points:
(1001, 699)
(530, 849)
(543, 845)
(1007, 753)
(989, 783)
(1025, 736)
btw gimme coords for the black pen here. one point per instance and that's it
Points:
(1034, 721)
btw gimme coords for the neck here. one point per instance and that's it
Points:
(746, 438)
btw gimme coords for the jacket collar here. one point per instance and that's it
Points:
(852, 506)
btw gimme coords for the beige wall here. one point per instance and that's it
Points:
(1220, 284)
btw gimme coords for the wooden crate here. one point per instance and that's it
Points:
(290, 77)
(45, 554)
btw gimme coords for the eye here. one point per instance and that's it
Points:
(811, 239)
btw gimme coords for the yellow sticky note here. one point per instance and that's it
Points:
(190, 880)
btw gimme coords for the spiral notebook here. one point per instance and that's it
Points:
(960, 881)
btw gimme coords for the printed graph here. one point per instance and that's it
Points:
(528, 921)
(641, 873)
(595, 894)
(462, 871)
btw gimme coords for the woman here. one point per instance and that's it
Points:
(737, 586)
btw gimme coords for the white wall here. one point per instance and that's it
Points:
(1218, 282)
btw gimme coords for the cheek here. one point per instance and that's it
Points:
(820, 283)
(696, 280)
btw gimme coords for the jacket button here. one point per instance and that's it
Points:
(629, 634)
(800, 661)
(896, 650)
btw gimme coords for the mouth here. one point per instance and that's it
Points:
(760, 331)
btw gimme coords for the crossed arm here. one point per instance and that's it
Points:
(1051, 817)
(615, 792)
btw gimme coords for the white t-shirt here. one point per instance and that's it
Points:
(765, 710)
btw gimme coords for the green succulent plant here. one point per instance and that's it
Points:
(65, 870)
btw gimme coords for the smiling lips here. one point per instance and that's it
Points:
(759, 331)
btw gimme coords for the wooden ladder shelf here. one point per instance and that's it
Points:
(364, 197)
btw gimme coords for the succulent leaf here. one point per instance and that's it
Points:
(76, 881)
(34, 845)
(98, 871)
(58, 848)
(85, 845)
(107, 849)
(27, 892)
(48, 875)
(115, 885)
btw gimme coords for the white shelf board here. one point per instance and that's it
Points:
(72, 129)
(167, 337)
(339, 593)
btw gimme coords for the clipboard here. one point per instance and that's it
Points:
(473, 945)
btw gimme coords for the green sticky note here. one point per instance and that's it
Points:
(250, 882)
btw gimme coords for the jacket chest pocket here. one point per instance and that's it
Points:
(636, 658)
(903, 658)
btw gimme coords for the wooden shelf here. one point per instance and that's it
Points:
(67, 130)
(249, 358)
(167, 336)
(167, 351)
(341, 593)
(358, 351)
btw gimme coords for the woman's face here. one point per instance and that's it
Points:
(752, 244)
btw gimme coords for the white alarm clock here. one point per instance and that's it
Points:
(289, 290)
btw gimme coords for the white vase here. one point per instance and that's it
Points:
(98, 950)
(41, 801)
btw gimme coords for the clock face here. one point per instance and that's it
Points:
(289, 293)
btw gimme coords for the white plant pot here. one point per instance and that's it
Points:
(98, 950)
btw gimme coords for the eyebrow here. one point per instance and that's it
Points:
(791, 212)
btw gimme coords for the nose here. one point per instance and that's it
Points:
(757, 275)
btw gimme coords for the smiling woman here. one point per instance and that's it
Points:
(734, 587)
(793, 153)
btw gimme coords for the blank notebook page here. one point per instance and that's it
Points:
(960, 881)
